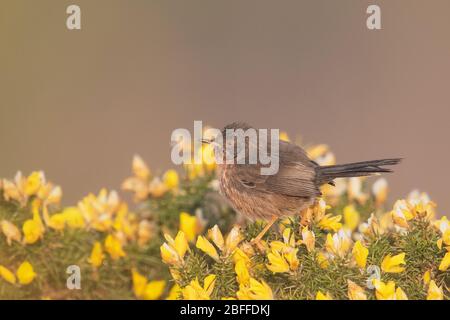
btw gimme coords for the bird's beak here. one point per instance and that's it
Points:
(206, 141)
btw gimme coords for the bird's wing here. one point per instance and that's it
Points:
(295, 180)
(295, 177)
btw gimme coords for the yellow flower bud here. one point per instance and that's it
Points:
(25, 273)
(96, 258)
(171, 179)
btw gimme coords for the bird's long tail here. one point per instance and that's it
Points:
(326, 174)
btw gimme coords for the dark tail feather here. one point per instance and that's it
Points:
(326, 174)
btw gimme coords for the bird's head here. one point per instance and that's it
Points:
(232, 140)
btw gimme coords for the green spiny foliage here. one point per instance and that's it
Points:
(57, 249)
(226, 284)
(418, 243)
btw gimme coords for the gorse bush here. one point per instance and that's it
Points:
(182, 241)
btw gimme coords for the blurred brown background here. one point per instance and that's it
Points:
(79, 104)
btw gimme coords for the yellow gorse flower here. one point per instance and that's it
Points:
(207, 247)
(25, 273)
(240, 255)
(231, 241)
(124, 222)
(194, 291)
(321, 296)
(291, 258)
(338, 244)
(308, 239)
(330, 223)
(169, 255)
(255, 290)
(33, 229)
(57, 221)
(333, 193)
(418, 205)
(154, 289)
(174, 292)
(284, 136)
(97, 256)
(351, 217)
(173, 251)
(139, 183)
(277, 263)
(360, 254)
(171, 179)
(13, 190)
(392, 264)
(242, 272)
(355, 292)
(50, 194)
(380, 191)
(33, 183)
(11, 232)
(140, 168)
(216, 236)
(315, 213)
(99, 211)
(426, 277)
(143, 289)
(354, 190)
(400, 294)
(145, 232)
(288, 240)
(402, 213)
(434, 292)
(317, 151)
(22, 188)
(321, 154)
(445, 263)
(139, 282)
(7, 275)
(189, 225)
(157, 188)
(114, 247)
(283, 255)
(73, 218)
(180, 243)
(226, 246)
(387, 291)
(372, 227)
(328, 159)
(443, 225)
(208, 157)
(322, 260)
(421, 204)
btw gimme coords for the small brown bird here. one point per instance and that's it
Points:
(293, 188)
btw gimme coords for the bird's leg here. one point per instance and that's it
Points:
(264, 231)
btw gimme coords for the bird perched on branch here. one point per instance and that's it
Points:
(293, 188)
